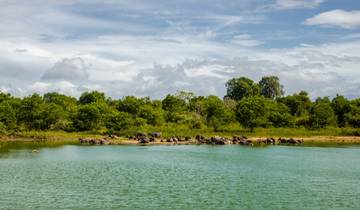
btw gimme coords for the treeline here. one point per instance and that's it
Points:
(247, 103)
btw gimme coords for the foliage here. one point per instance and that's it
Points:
(270, 87)
(238, 88)
(246, 106)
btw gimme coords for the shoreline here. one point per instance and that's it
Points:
(308, 140)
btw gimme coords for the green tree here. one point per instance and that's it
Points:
(8, 115)
(321, 114)
(298, 104)
(130, 104)
(238, 88)
(153, 113)
(118, 120)
(270, 87)
(215, 112)
(92, 97)
(341, 107)
(251, 112)
(279, 115)
(353, 116)
(30, 112)
(88, 117)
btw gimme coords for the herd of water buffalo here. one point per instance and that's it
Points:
(144, 138)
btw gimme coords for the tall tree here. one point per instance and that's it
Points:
(238, 88)
(270, 87)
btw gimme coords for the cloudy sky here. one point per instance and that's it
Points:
(151, 48)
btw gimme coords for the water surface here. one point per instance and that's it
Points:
(179, 177)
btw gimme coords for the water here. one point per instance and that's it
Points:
(179, 177)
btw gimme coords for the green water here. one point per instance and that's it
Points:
(179, 177)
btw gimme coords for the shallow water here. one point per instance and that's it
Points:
(179, 177)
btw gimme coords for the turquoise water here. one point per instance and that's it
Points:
(179, 177)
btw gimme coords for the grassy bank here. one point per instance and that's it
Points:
(319, 136)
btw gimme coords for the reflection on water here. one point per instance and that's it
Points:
(178, 177)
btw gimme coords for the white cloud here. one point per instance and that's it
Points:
(46, 47)
(71, 69)
(298, 4)
(246, 40)
(64, 87)
(336, 18)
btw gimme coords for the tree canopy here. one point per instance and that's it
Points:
(247, 103)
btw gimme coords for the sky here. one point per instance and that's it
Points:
(152, 48)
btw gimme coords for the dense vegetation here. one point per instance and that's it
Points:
(247, 105)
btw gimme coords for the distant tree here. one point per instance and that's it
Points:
(8, 115)
(279, 115)
(118, 120)
(353, 116)
(88, 117)
(238, 88)
(321, 114)
(298, 104)
(5, 97)
(153, 114)
(185, 96)
(251, 112)
(66, 102)
(130, 104)
(270, 87)
(341, 107)
(173, 103)
(215, 112)
(91, 97)
(30, 112)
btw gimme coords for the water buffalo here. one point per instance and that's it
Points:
(155, 134)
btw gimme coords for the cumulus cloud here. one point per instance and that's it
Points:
(336, 18)
(296, 4)
(70, 69)
(112, 47)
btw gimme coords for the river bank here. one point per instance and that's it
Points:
(73, 138)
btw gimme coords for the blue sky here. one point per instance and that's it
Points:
(150, 48)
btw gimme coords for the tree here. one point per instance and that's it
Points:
(88, 117)
(130, 104)
(216, 113)
(7, 115)
(270, 87)
(118, 120)
(174, 107)
(30, 111)
(298, 104)
(251, 112)
(321, 114)
(341, 107)
(153, 113)
(238, 88)
(279, 115)
(353, 116)
(91, 97)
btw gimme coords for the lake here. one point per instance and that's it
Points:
(178, 177)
